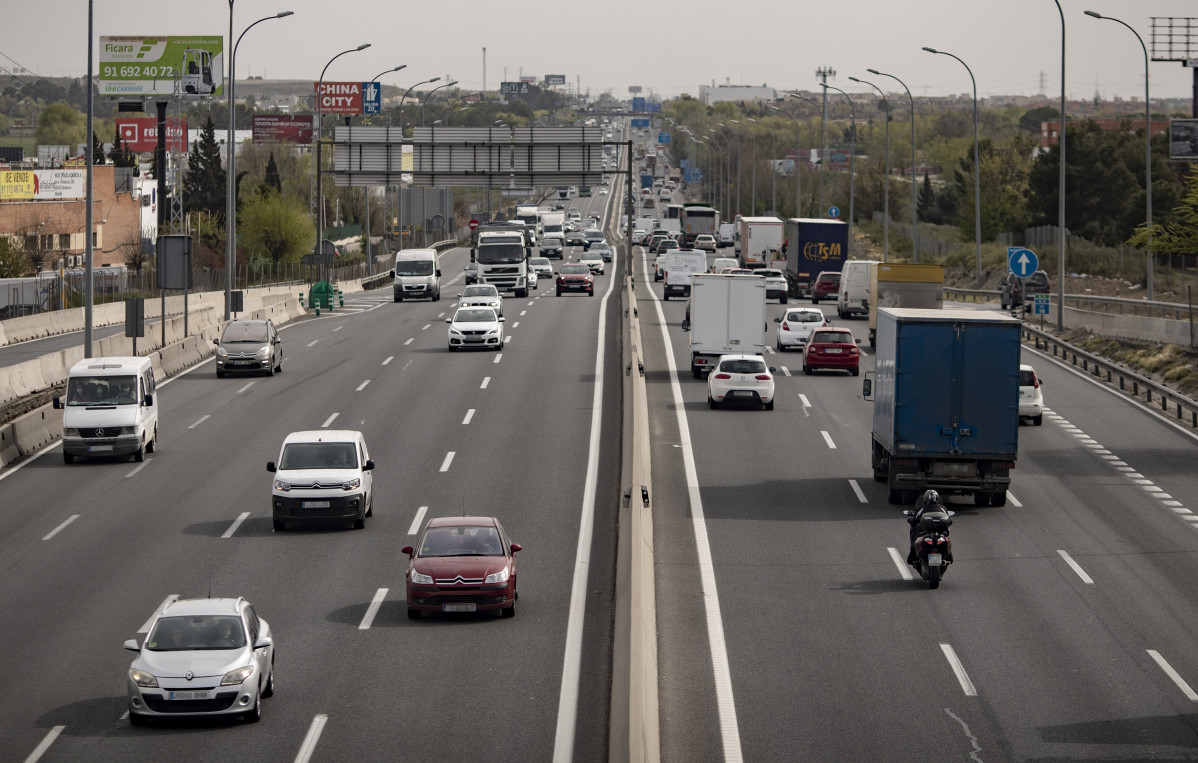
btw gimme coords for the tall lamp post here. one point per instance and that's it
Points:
(715, 160)
(399, 187)
(405, 97)
(231, 159)
(366, 189)
(753, 173)
(798, 159)
(319, 189)
(1147, 142)
(914, 188)
(1061, 188)
(977, 165)
(739, 144)
(429, 95)
(885, 173)
(773, 169)
(852, 153)
(798, 183)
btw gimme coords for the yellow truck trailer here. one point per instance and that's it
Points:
(903, 285)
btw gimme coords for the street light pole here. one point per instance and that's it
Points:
(753, 173)
(798, 156)
(429, 94)
(231, 162)
(1147, 143)
(366, 190)
(852, 153)
(319, 189)
(914, 189)
(739, 145)
(1061, 188)
(399, 186)
(885, 173)
(977, 166)
(773, 169)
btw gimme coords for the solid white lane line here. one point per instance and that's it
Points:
(138, 468)
(1076, 567)
(58, 529)
(486, 381)
(1014, 501)
(415, 528)
(857, 489)
(236, 523)
(362, 386)
(44, 745)
(900, 562)
(373, 609)
(469, 415)
(803, 399)
(448, 460)
(410, 340)
(1173, 675)
(311, 738)
(388, 360)
(716, 640)
(314, 341)
(785, 370)
(498, 358)
(200, 420)
(425, 326)
(329, 420)
(959, 670)
(828, 439)
(145, 627)
(247, 386)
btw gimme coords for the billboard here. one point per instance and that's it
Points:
(42, 185)
(281, 128)
(638, 104)
(140, 134)
(1183, 139)
(634, 88)
(555, 79)
(348, 97)
(135, 66)
(529, 80)
(513, 88)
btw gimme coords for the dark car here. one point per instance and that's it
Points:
(471, 273)
(1014, 293)
(575, 238)
(249, 347)
(827, 284)
(462, 564)
(831, 348)
(575, 277)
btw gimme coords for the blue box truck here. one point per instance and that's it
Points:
(813, 246)
(945, 388)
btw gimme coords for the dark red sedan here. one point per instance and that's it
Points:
(462, 564)
(832, 348)
(575, 277)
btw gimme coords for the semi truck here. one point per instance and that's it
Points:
(697, 220)
(903, 285)
(946, 403)
(758, 236)
(725, 315)
(530, 216)
(813, 246)
(502, 258)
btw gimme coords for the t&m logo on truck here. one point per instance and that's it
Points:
(822, 251)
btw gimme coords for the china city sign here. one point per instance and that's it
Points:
(348, 97)
(147, 66)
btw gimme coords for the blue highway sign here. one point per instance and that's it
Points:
(1022, 262)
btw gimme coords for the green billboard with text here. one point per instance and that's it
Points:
(141, 66)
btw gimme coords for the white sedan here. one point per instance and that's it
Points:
(794, 328)
(475, 327)
(594, 261)
(482, 295)
(741, 379)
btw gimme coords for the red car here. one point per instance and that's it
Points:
(463, 564)
(832, 347)
(826, 286)
(575, 277)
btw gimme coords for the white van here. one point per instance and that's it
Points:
(417, 275)
(853, 297)
(110, 409)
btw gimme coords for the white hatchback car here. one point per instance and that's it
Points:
(775, 284)
(202, 657)
(322, 474)
(475, 327)
(482, 295)
(1031, 399)
(594, 261)
(541, 266)
(704, 242)
(741, 379)
(794, 328)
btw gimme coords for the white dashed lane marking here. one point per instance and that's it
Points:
(448, 460)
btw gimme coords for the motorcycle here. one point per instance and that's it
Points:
(931, 550)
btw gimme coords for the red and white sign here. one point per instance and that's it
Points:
(140, 134)
(278, 128)
(473, 224)
(340, 97)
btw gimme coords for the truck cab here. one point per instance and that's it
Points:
(502, 259)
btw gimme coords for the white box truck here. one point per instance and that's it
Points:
(680, 265)
(725, 315)
(758, 237)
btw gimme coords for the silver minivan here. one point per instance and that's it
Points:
(109, 409)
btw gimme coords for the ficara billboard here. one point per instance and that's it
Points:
(136, 66)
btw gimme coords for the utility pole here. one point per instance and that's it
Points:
(823, 73)
(484, 70)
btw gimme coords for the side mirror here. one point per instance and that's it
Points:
(686, 325)
(449, 320)
(867, 387)
(263, 642)
(57, 403)
(132, 646)
(858, 341)
(773, 370)
(517, 547)
(369, 465)
(407, 550)
(216, 341)
(270, 466)
(502, 319)
(277, 341)
(149, 401)
(908, 513)
(438, 272)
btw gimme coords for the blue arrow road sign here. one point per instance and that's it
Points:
(1022, 262)
(834, 212)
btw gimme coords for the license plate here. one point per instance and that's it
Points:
(100, 448)
(187, 695)
(314, 504)
(833, 350)
(457, 607)
(739, 393)
(934, 560)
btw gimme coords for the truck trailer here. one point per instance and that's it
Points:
(946, 403)
(813, 246)
(725, 315)
(903, 285)
(758, 237)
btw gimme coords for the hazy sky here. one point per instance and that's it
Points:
(669, 48)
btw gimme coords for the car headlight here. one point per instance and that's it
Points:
(455, 332)
(494, 304)
(70, 432)
(234, 677)
(221, 352)
(498, 577)
(143, 679)
(264, 352)
(421, 579)
(493, 331)
(353, 484)
(282, 486)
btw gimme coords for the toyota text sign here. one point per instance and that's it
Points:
(348, 97)
(274, 128)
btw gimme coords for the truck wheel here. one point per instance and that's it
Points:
(998, 499)
(521, 293)
(815, 300)
(894, 497)
(782, 300)
(1038, 420)
(665, 297)
(807, 369)
(696, 373)
(981, 499)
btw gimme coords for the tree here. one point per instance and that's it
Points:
(204, 183)
(271, 179)
(1030, 121)
(1004, 183)
(13, 263)
(98, 150)
(120, 155)
(278, 227)
(1180, 234)
(60, 125)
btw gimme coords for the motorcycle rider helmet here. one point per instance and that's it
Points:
(931, 497)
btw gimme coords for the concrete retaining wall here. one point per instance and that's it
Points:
(1138, 327)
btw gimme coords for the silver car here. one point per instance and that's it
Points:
(249, 347)
(202, 657)
(481, 295)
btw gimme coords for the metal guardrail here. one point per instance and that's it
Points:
(1120, 305)
(1129, 382)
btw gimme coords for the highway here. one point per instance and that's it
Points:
(530, 435)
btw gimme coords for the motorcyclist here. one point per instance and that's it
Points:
(929, 502)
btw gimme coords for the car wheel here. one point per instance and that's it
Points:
(894, 497)
(360, 524)
(856, 371)
(807, 369)
(153, 443)
(271, 370)
(68, 458)
(780, 347)
(370, 507)
(413, 614)
(452, 348)
(220, 374)
(559, 292)
(137, 719)
(815, 300)
(279, 525)
(782, 301)
(140, 454)
(769, 406)
(254, 715)
(711, 403)
(508, 611)
(269, 689)
(1038, 420)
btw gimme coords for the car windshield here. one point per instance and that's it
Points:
(461, 541)
(575, 269)
(414, 268)
(540, 261)
(476, 315)
(102, 390)
(833, 337)
(319, 455)
(492, 254)
(244, 332)
(176, 634)
(743, 366)
(479, 291)
(805, 317)
(771, 273)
